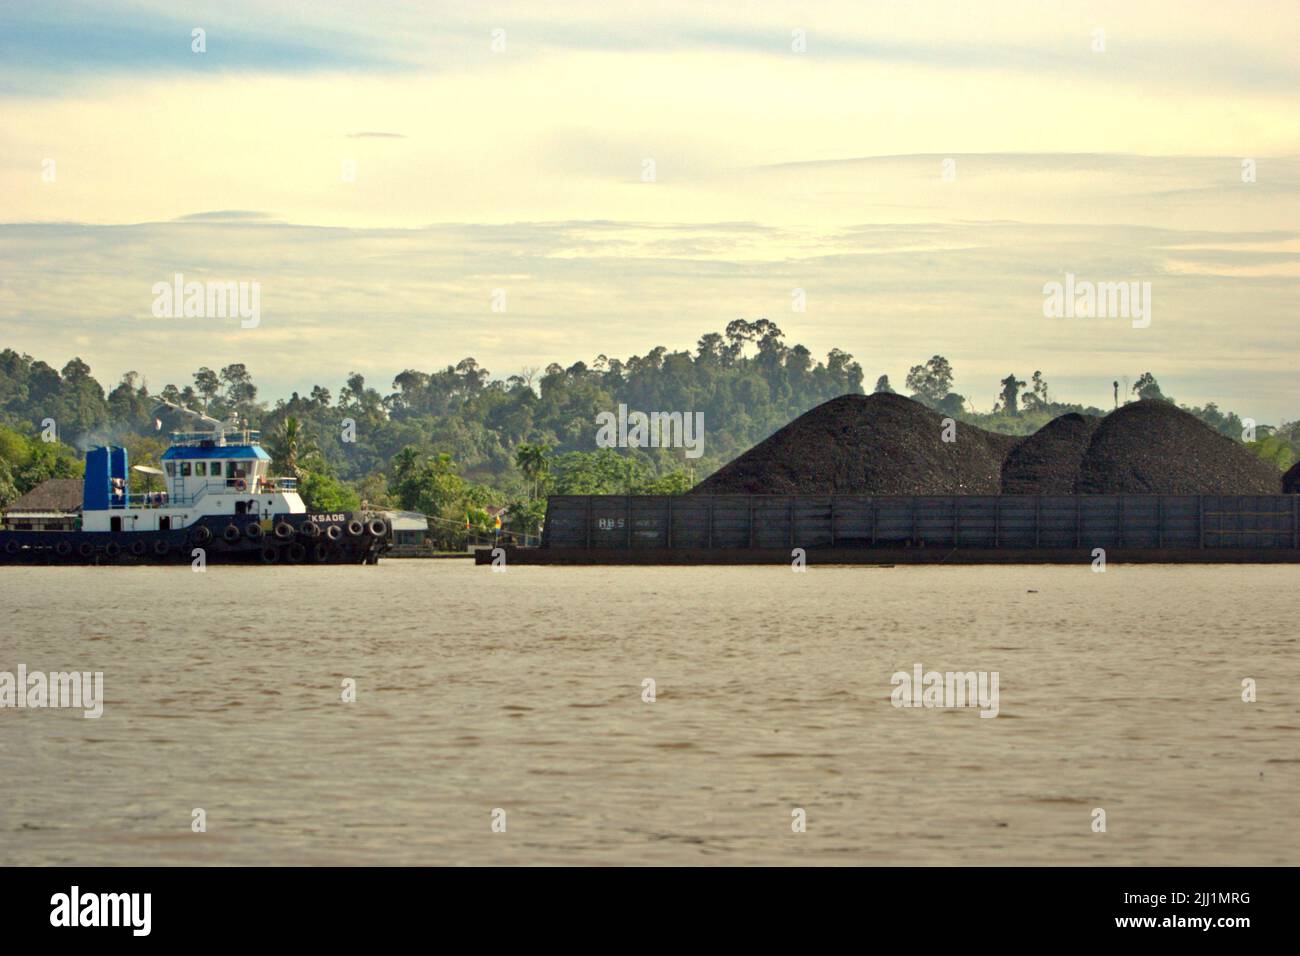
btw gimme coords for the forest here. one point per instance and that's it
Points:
(454, 441)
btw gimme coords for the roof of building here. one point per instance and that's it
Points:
(408, 520)
(60, 495)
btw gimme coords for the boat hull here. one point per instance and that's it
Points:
(347, 538)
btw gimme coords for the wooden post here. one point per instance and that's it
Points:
(1160, 521)
(790, 514)
(750, 499)
(627, 516)
(589, 522)
(711, 502)
(832, 521)
(1200, 519)
(1038, 520)
(668, 533)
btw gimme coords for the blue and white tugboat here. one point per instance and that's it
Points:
(220, 497)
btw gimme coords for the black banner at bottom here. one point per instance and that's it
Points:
(337, 905)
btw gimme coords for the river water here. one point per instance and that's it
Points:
(518, 697)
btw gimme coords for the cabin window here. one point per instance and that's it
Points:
(201, 469)
(237, 469)
(171, 469)
(185, 469)
(215, 469)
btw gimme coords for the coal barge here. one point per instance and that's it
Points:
(915, 529)
(221, 505)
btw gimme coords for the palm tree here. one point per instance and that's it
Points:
(532, 461)
(290, 446)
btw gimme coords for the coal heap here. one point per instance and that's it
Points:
(1047, 462)
(886, 444)
(879, 444)
(1153, 447)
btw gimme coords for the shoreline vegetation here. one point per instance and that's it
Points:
(457, 442)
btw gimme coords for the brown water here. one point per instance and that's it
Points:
(523, 691)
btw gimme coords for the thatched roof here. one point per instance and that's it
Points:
(54, 494)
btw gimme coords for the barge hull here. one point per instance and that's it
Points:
(888, 557)
(917, 529)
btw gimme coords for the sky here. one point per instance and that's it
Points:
(413, 183)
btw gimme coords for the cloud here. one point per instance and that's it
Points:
(224, 215)
(380, 300)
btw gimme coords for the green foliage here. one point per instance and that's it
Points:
(451, 442)
(290, 447)
(1279, 447)
(931, 382)
(1146, 387)
(532, 461)
(27, 461)
(1010, 395)
(321, 492)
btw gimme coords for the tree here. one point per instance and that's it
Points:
(931, 382)
(207, 385)
(289, 447)
(240, 390)
(1010, 394)
(1146, 387)
(325, 493)
(532, 461)
(883, 386)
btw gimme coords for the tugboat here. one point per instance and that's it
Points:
(220, 498)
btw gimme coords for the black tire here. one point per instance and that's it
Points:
(295, 553)
(356, 528)
(112, 549)
(231, 534)
(378, 528)
(12, 548)
(63, 549)
(310, 529)
(333, 532)
(270, 554)
(320, 554)
(160, 548)
(202, 534)
(283, 530)
(85, 549)
(138, 548)
(254, 531)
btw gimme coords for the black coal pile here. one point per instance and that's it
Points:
(1047, 462)
(1291, 480)
(889, 445)
(879, 444)
(1153, 447)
